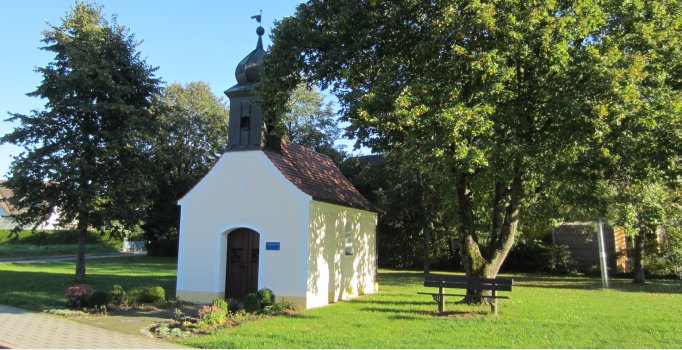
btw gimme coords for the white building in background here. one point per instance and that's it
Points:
(271, 214)
(7, 210)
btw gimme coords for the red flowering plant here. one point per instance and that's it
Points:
(75, 295)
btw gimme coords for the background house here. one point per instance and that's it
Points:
(7, 210)
(581, 240)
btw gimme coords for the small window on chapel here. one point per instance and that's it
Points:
(348, 238)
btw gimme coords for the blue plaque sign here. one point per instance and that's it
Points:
(271, 245)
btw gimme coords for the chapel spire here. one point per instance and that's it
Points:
(246, 129)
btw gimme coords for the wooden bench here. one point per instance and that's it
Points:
(468, 283)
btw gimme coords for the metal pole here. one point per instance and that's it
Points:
(602, 255)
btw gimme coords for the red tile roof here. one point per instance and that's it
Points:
(5, 195)
(316, 175)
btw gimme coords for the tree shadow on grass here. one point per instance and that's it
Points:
(392, 278)
(396, 311)
(412, 314)
(389, 302)
(298, 316)
(402, 278)
(588, 283)
(39, 290)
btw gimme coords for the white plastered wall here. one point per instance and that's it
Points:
(244, 189)
(333, 275)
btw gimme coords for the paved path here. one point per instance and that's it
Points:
(30, 330)
(69, 257)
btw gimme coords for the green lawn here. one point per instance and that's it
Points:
(12, 251)
(543, 312)
(37, 286)
(52, 243)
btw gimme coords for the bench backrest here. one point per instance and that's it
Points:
(463, 282)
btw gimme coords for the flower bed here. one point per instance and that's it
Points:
(219, 314)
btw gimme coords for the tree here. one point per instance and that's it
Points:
(503, 96)
(85, 150)
(413, 229)
(193, 135)
(638, 153)
(647, 139)
(310, 121)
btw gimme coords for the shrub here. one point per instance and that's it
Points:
(75, 295)
(664, 259)
(149, 294)
(117, 294)
(527, 255)
(252, 303)
(232, 305)
(211, 315)
(97, 298)
(279, 307)
(559, 261)
(221, 303)
(266, 297)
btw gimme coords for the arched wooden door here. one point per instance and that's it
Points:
(242, 263)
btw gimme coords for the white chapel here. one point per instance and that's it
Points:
(272, 214)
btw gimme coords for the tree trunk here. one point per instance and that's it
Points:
(427, 246)
(474, 262)
(638, 257)
(82, 236)
(80, 260)
(426, 223)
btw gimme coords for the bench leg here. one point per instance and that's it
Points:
(441, 300)
(493, 303)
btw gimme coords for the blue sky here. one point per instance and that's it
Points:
(187, 40)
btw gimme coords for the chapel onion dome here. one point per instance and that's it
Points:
(249, 69)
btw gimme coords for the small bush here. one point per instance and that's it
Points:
(97, 298)
(211, 315)
(76, 295)
(266, 297)
(232, 305)
(155, 294)
(117, 294)
(221, 303)
(527, 255)
(559, 261)
(278, 307)
(252, 303)
(149, 294)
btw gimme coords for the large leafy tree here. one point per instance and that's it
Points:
(646, 139)
(310, 121)
(504, 96)
(193, 135)
(638, 152)
(85, 152)
(413, 228)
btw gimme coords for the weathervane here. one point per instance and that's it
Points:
(258, 17)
